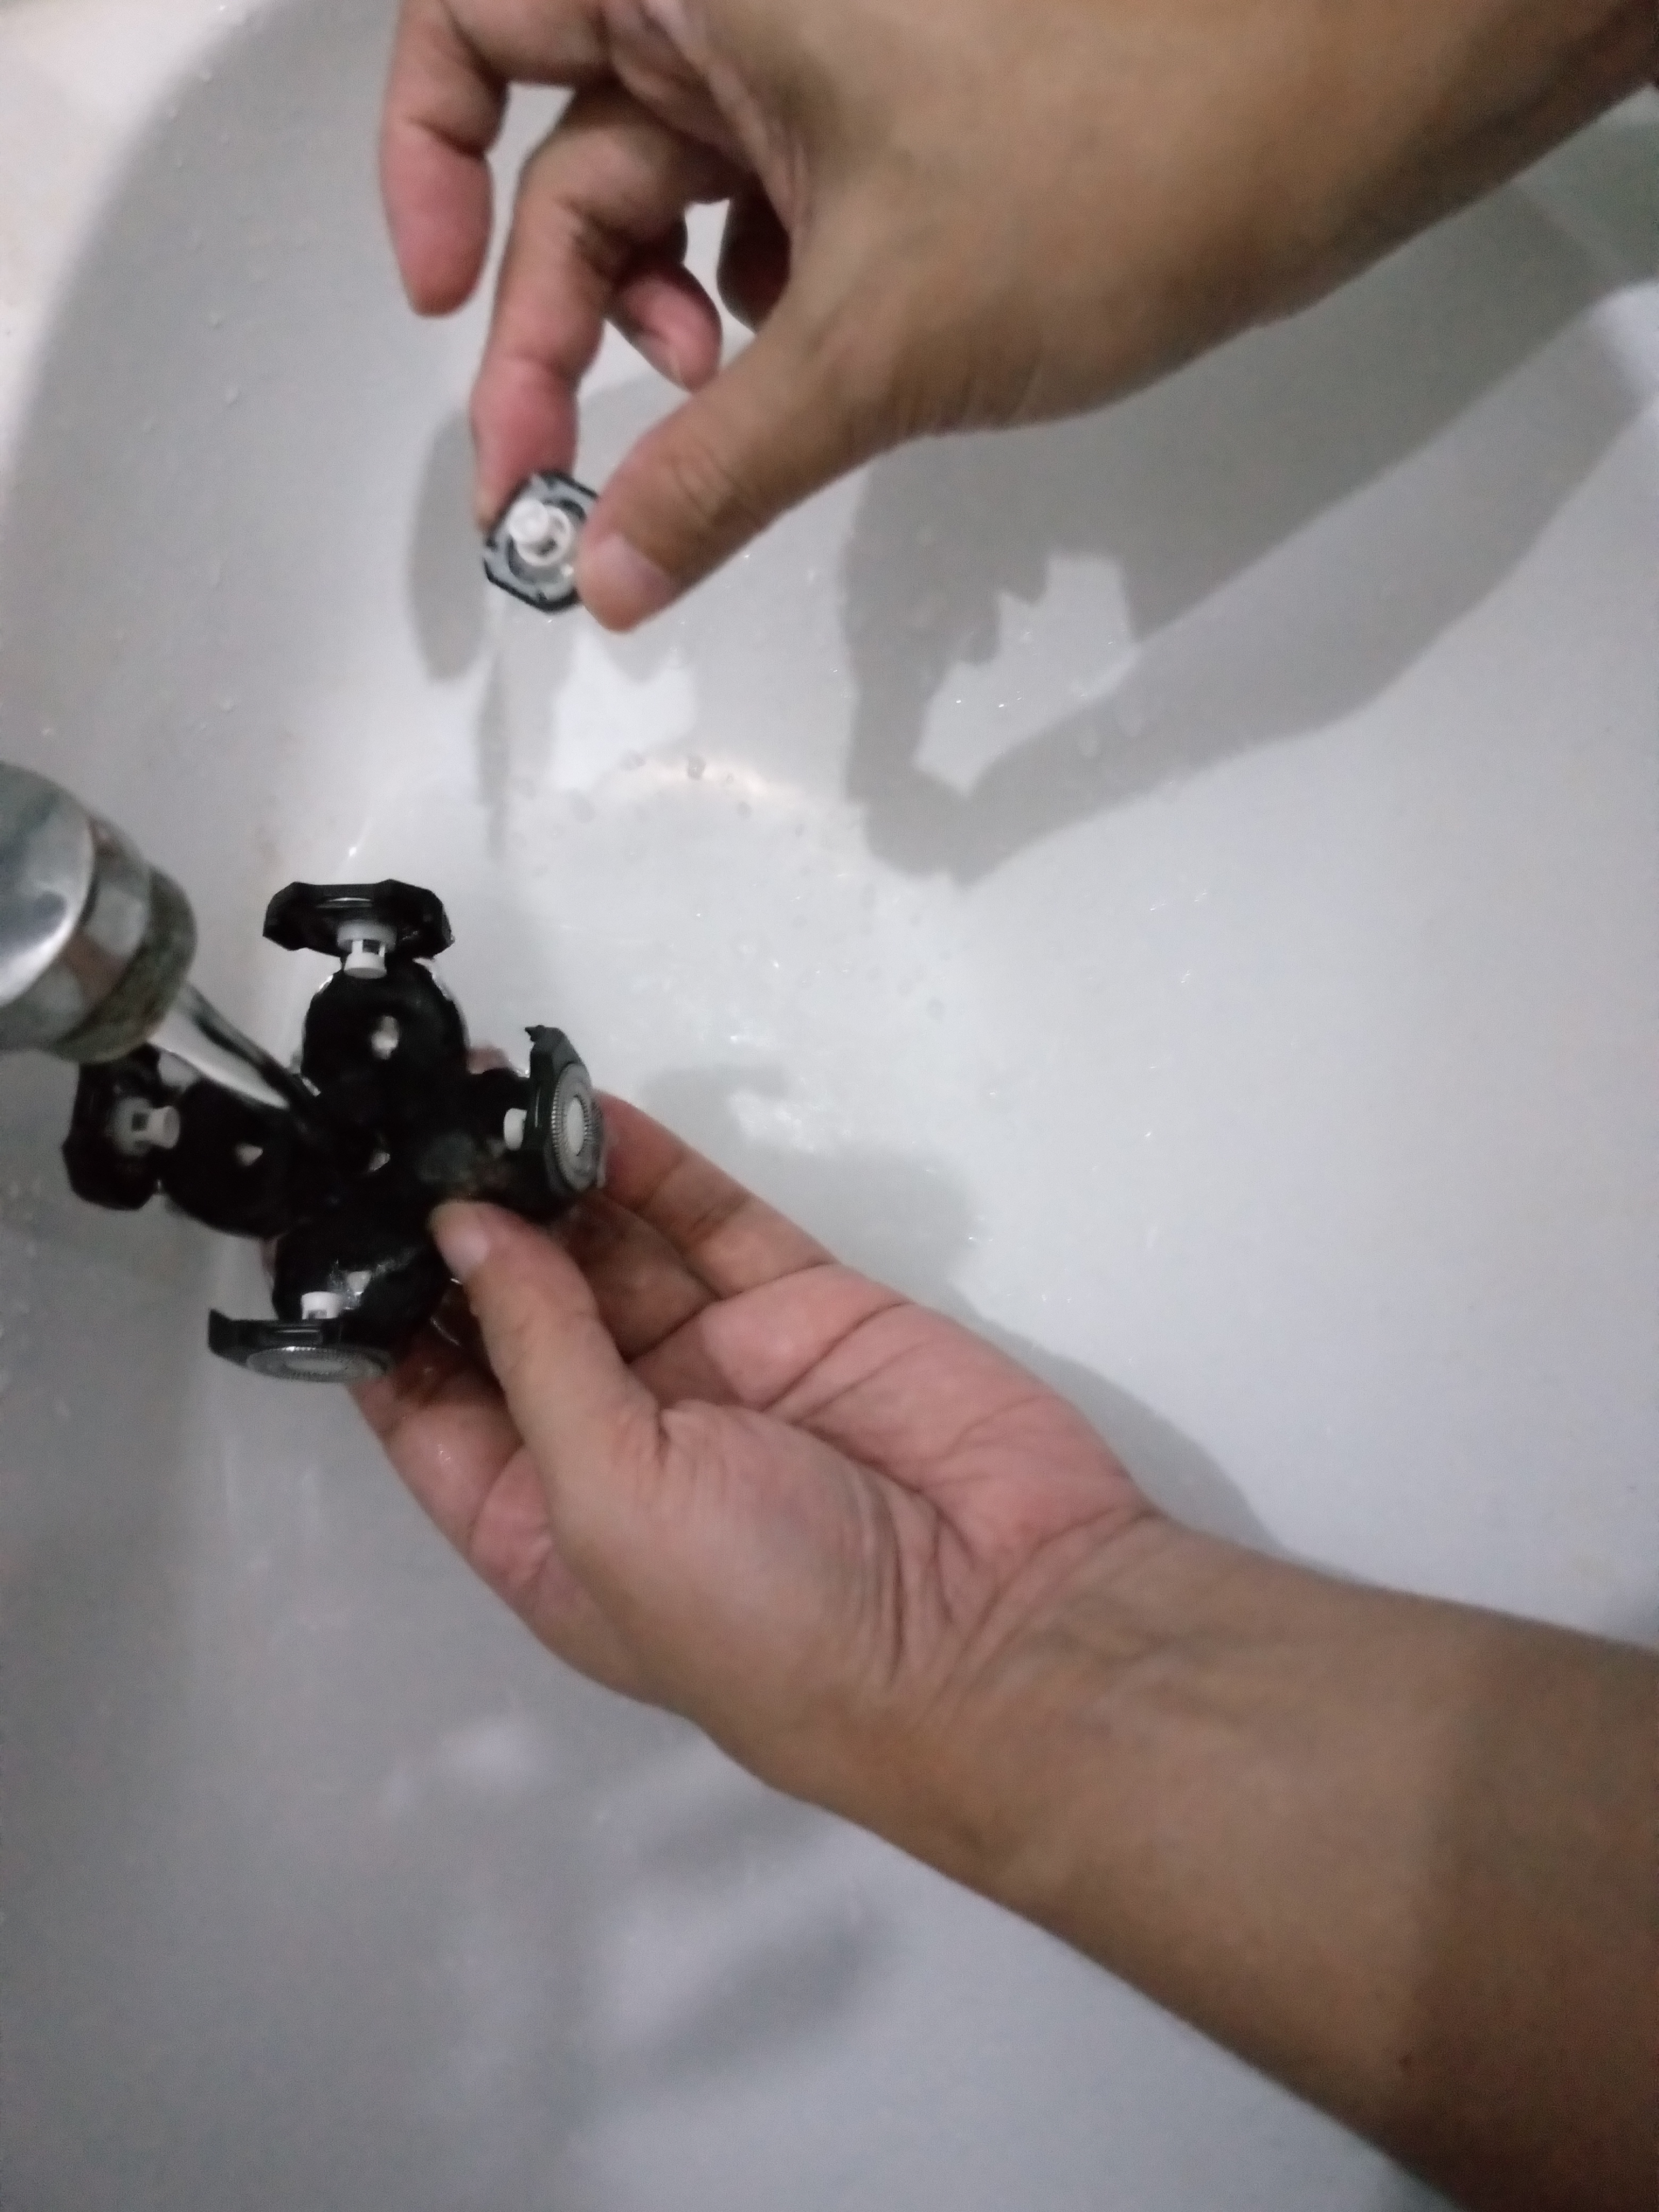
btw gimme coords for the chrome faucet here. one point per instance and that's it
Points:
(95, 944)
(96, 947)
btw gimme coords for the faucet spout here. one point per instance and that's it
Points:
(95, 944)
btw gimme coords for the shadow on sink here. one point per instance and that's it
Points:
(1262, 517)
(898, 1218)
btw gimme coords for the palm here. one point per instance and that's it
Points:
(801, 1490)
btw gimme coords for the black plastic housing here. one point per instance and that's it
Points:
(403, 1121)
(550, 590)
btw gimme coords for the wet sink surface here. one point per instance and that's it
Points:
(1174, 889)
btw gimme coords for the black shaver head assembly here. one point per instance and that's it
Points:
(389, 1117)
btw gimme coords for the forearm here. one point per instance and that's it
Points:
(1535, 74)
(1405, 123)
(1401, 1856)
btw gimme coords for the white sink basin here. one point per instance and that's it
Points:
(1176, 889)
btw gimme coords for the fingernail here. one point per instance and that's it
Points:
(663, 357)
(490, 488)
(461, 1233)
(619, 584)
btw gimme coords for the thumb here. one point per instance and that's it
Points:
(774, 426)
(590, 1428)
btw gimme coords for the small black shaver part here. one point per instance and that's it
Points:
(532, 550)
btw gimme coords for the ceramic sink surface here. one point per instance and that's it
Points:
(1175, 889)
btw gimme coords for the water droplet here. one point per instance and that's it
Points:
(696, 768)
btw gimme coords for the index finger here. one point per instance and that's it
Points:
(730, 1240)
(453, 62)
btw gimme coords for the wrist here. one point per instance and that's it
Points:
(981, 1779)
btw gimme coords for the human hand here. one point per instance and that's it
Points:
(957, 213)
(1394, 1853)
(721, 1472)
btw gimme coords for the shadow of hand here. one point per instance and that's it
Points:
(712, 1468)
(1258, 548)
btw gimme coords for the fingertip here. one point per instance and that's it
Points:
(774, 426)
(665, 314)
(619, 586)
(438, 203)
(466, 1235)
(478, 1240)
(661, 355)
(443, 108)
